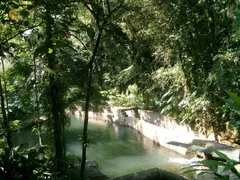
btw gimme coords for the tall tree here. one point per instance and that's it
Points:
(53, 50)
(101, 12)
(55, 93)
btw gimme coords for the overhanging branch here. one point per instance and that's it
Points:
(19, 33)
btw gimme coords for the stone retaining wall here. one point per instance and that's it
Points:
(160, 129)
(163, 130)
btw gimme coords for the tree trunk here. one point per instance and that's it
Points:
(36, 101)
(89, 83)
(7, 134)
(55, 100)
(5, 119)
(87, 103)
(5, 86)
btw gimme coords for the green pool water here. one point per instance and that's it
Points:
(118, 149)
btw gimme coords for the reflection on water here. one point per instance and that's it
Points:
(120, 150)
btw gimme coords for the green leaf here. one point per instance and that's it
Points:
(34, 129)
(14, 124)
(221, 155)
(234, 97)
(228, 167)
(90, 32)
(211, 164)
(232, 105)
(50, 51)
(47, 173)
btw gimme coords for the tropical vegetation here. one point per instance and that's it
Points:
(175, 57)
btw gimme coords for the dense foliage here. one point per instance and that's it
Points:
(175, 57)
(218, 166)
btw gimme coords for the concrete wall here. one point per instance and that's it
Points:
(162, 135)
(161, 129)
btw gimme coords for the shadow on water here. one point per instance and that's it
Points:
(106, 138)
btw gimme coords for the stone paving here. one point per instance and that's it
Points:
(232, 152)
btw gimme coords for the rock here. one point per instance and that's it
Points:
(152, 174)
(92, 164)
(92, 172)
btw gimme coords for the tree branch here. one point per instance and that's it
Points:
(85, 47)
(108, 6)
(19, 33)
(93, 13)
